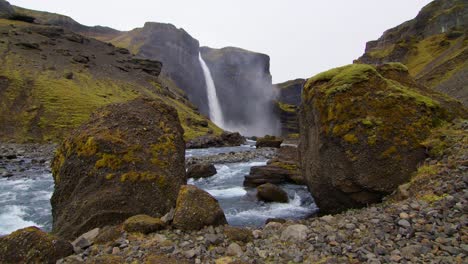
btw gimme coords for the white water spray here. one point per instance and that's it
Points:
(216, 114)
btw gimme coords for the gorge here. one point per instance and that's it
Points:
(144, 146)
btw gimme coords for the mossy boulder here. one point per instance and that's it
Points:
(127, 160)
(269, 142)
(31, 245)
(143, 224)
(361, 132)
(271, 193)
(196, 208)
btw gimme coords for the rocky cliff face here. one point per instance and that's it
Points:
(361, 132)
(175, 48)
(287, 106)
(244, 88)
(433, 46)
(51, 79)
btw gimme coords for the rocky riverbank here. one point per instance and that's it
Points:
(233, 157)
(430, 226)
(25, 160)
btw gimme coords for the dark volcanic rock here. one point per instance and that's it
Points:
(127, 160)
(271, 193)
(267, 174)
(196, 208)
(226, 139)
(201, 170)
(287, 105)
(149, 66)
(269, 142)
(6, 10)
(244, 87)
(361, 132)
(31, 245)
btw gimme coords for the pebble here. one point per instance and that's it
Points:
(234, 250)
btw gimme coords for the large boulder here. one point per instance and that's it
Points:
(127, 160)
(269, 142)
(271, 193)
(31, 245)
(201, 170)
(226, 139)
(143, 224)
(361, 132)
(196, 208)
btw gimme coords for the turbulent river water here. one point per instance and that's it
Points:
(26, 201)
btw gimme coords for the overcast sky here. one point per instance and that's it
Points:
(302, 37)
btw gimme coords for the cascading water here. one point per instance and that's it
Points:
(216, 114)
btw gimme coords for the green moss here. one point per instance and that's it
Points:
(130, 156)
(110, 161)
(110, 176)
(394, 66)
(351, 138)
(286, 166)
(88, 149)
(382, 53)
(286, 107)
(389, 152)
(403, 92)
(432, 198)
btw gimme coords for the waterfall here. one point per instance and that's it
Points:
(216, 114)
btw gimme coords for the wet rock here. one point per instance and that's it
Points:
(271, 193)
(122, 163)
(201, 170)
(269, 142)
(31, 245)
(143, 224)
(196, 208)
(224, 140)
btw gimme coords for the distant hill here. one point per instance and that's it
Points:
(433, 46)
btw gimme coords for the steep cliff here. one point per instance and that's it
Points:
(51, 79)
(287, 106)
(244, 88)
(433, 46)
(174, 47)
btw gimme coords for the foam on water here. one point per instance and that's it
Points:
(11, 219)
(227, 193)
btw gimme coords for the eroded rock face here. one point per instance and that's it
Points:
(287, 105)
(127, 160)
(361, 132)
(31, 245)
(196, 208)
(6, 10)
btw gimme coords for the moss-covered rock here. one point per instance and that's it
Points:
(31, 245)
(269, 142)
(201, 170)
(361, 132)
(196, 208)
(143, 224)
(127, 160)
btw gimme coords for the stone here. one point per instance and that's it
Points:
(6, 10)
(238, 234)
(257, 234)
(31, 245)
(296, 233)
(226, 139)
(269, 142)
(345, 144)
(167, 218)
(122, 163)
(234, 250)
(85, 240)
(115, 250)
(201, 170)
(404, 223)
(404, 215)
(143, 224)
(273, 225)
(271, 193)
(196, 208)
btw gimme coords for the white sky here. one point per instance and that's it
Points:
(302, 37)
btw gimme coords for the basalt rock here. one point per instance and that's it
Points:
(361, 132)
(31, 245)
(271, 193)
(196, 208)
(287, 106)
(127, 160)
(6, 10)
(224, 140)
(201, 170)
(269, 142)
